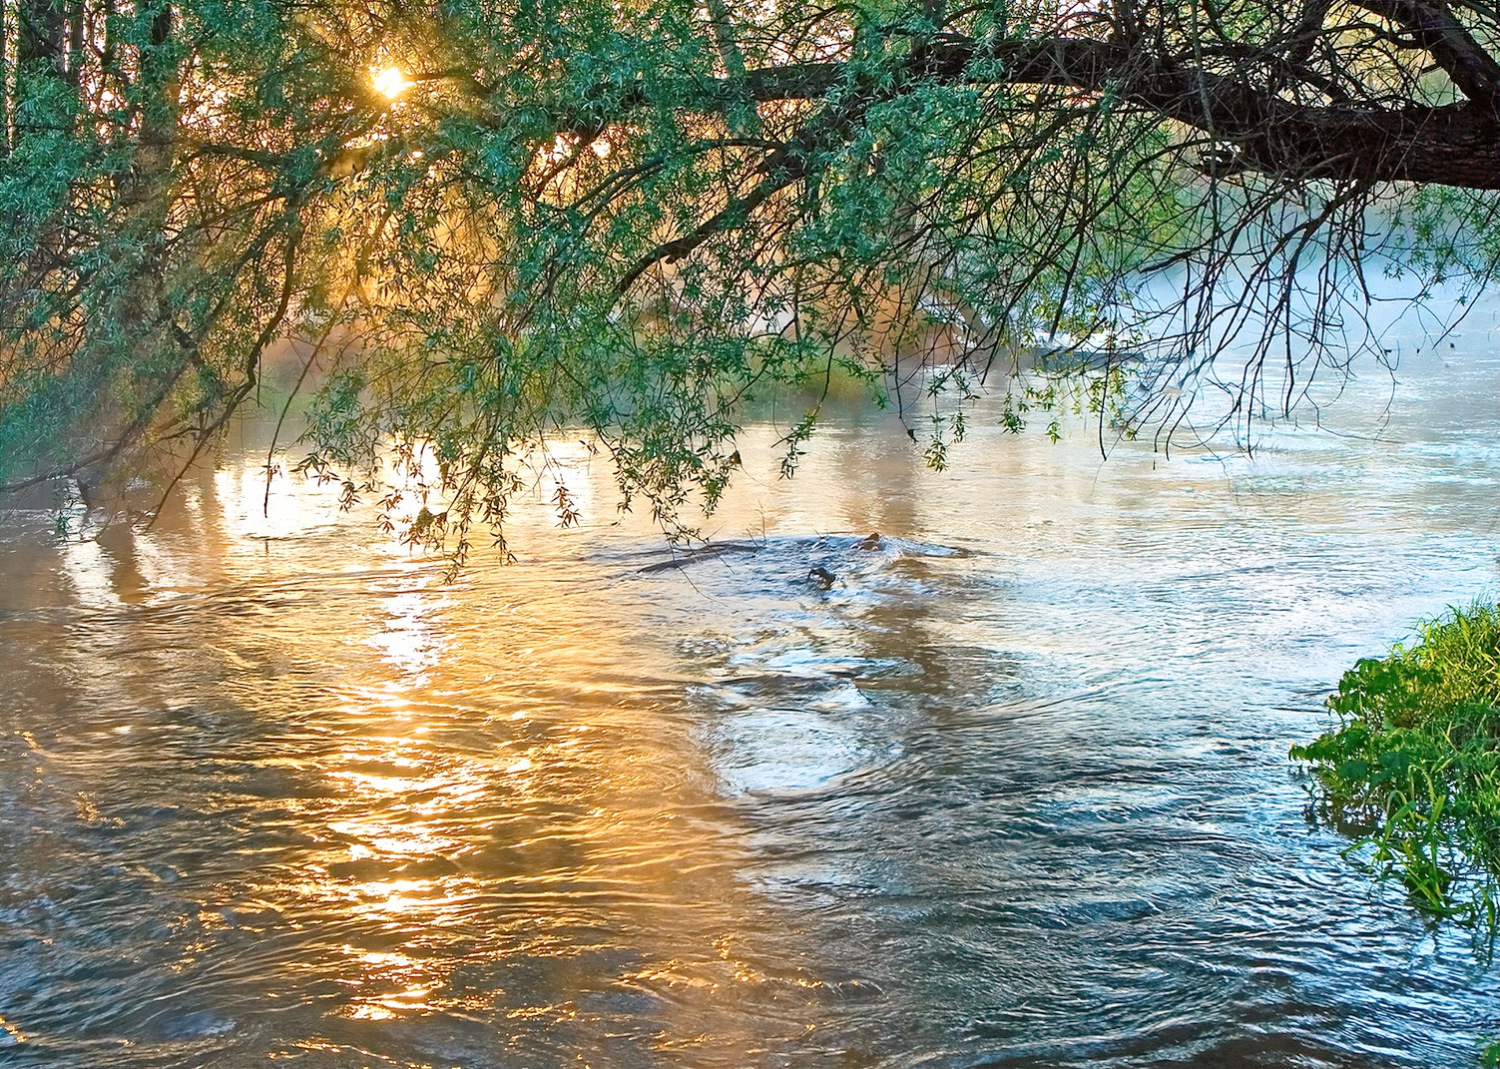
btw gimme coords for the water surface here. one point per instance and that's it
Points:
(1014, 792)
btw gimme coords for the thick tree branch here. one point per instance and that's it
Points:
(1432, 26)
(1456, 145)
(1260, 131)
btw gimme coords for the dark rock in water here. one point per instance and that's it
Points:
(1064, 358)
(822, 578)
(871, 541)
(716, 549)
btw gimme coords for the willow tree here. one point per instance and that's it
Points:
(494, 222)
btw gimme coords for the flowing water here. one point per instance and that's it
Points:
(1013, 792)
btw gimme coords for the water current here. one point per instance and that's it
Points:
(1012, 792)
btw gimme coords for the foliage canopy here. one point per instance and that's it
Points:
(480, 225)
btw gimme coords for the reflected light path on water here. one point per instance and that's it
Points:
(1013, 792)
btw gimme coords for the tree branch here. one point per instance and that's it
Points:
(1462, 58)
(1456, 145)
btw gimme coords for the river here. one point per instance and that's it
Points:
(1013, 792)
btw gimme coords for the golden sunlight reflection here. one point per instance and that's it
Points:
(481, 795)
(411, 641)
(481, 801)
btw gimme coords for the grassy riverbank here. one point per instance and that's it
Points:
(1413, 770)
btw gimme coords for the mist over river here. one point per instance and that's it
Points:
(1013, 792)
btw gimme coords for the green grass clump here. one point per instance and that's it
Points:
(1413, 770)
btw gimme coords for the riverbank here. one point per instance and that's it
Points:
(1413, 770)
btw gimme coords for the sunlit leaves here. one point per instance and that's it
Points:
(1414, 767)
(467, 230)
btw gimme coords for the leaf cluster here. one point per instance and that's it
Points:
(1414, 767)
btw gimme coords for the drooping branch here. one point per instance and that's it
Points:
(916, 178)
(1454, 144)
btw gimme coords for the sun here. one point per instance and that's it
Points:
(390, 82)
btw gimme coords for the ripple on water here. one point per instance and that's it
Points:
(1023, 803)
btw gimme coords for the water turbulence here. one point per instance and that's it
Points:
(980, 768)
